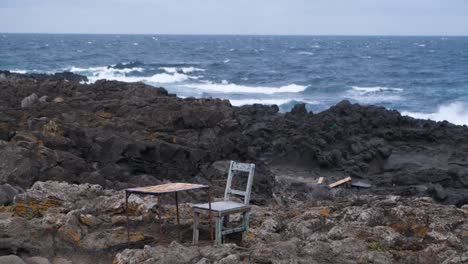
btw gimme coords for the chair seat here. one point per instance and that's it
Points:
(222, 206)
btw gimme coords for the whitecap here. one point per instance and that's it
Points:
(455, 113)
(373, 95)
(240, 102)
(226, 87)
(18, 71)
(305, 53)
(270, 101)
(155, 38)
(105, 70)
(163, 78)
(375, 89)
(135, 44)
(90, 42)
(97, 73)
(226, 61)
(181, 69)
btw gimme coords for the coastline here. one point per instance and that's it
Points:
(111, 135)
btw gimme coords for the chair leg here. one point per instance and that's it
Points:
(225, 226)
(196, 220)
(245, 224)
(218, 230)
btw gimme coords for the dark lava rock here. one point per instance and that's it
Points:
(7, 193)
(110, 132)
(299, 109)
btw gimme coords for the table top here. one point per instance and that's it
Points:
(167, 188)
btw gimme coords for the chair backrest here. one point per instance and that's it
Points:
(243, 167)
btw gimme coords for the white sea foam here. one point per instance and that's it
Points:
(376, 89)
(305, 53)
(456, 113)
(135, 44)
(18, 71)
(226, 87)
(97, 73)
(104, 70)
(181, 69)
(163, 78)
(239, 102)
(270, 101)
(226, 60)
(374, 94)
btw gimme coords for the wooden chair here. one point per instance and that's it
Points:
(222, 209)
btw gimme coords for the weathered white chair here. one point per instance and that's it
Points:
(222, 209)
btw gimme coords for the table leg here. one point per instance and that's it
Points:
(160, 215)
(210, 213)
(177, 215)
(128, 224)
(177, 208)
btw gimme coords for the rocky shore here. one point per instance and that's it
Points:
(67, 149)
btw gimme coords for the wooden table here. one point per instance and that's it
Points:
(161, 189)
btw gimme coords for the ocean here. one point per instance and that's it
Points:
(423, 77)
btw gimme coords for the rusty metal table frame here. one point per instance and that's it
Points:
(159, 190)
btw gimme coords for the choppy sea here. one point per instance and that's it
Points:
(424, 77)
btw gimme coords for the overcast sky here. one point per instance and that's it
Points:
(309, 17)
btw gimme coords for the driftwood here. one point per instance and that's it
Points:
(340, 182)
(320, 180)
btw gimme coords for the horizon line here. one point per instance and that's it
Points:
(233, 34)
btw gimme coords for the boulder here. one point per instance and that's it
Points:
(29, 100)
(37, 260)
(299, 109)
(11, 259)
(7, 193)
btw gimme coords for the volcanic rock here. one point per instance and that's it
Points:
(75, 154)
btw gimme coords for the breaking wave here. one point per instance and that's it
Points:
(225, 87)
(239, 102)
(181, 69)
(170, 75)
(455, 113)
(305, 53)
(18, 71)
(374, 94)
(375, 89)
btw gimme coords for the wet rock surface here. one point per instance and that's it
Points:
(67, 150)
